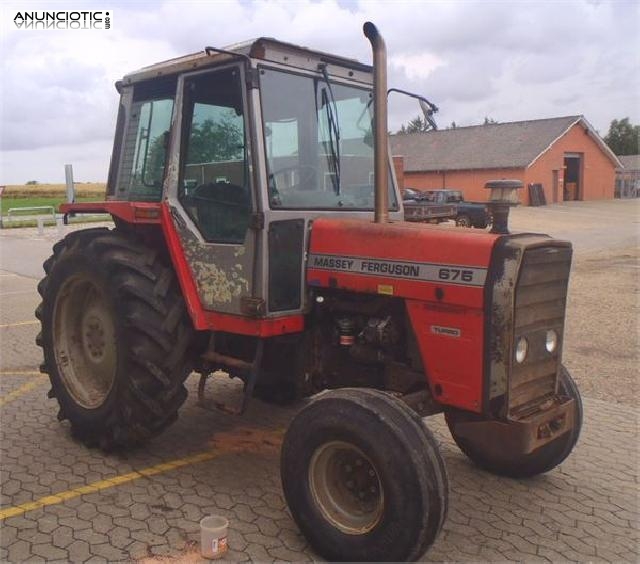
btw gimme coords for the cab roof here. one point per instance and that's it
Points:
(264, 48)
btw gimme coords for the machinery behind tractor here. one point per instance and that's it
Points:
(242, 185)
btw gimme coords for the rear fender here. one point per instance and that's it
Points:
(129, 212)
(134, 213)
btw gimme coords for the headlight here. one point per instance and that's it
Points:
(522, 347)
(551, 341)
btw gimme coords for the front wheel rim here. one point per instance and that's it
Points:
(84, 340)
(346, 487)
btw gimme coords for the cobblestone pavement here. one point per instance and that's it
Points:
(61, 501)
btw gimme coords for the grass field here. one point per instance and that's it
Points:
(31, 195)
(28, 202)
(36, 195)
(83, 190)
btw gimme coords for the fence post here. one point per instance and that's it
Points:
(68, 177)
(1, 191)
(71, 192)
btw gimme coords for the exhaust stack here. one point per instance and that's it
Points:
(380, 144)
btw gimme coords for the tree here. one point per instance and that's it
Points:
(209, 141)
(215, 141)
(415, 125)
(489, 121)
(623, 137)
(31, 182)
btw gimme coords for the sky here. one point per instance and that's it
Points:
(506, 60)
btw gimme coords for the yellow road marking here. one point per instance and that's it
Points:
(19, 323)
(20, 373)
(244, 439)
(19, 391)
(105, 484)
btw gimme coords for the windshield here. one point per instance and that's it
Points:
(319, 143)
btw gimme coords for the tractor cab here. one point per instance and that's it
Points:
(247, 146)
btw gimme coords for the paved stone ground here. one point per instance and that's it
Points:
(585, 510)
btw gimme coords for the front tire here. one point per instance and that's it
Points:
(115, 335)
(363, 477)
(463, 221)
(515, 465)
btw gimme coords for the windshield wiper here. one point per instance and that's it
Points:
(331, 108)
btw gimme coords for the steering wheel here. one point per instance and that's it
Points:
(306, 174)
(223, 193)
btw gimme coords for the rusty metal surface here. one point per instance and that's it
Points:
(527, 296)
(262, 49)
(227, 361)
(380, 142)
(540, 303)
(499, 439)
(422, 403)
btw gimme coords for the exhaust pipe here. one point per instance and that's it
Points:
(380, 143)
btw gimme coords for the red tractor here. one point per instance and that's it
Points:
(242, 186)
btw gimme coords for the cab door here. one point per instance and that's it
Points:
(213, 203)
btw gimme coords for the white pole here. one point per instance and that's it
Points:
(1, 191)
(68, 176)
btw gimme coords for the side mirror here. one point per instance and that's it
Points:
(428, 108)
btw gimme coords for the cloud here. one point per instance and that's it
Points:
(509, 61)
(417, 66)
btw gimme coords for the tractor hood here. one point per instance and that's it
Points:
(400, 259)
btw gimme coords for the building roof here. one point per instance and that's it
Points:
(630, 162)
(516, 144)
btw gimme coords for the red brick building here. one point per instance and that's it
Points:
(565, 155)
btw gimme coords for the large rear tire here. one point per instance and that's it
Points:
(515, 465)
(363, 477)
(115, 335)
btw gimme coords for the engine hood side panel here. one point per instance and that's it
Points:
(441, 275)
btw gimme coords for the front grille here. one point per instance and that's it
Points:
(540, 303)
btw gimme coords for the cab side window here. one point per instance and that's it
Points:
(144, 146)
(147, 172)
(214, 186)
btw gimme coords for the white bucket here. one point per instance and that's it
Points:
(213, 536)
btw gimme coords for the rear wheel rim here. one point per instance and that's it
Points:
(346, 488)
(84, 339)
